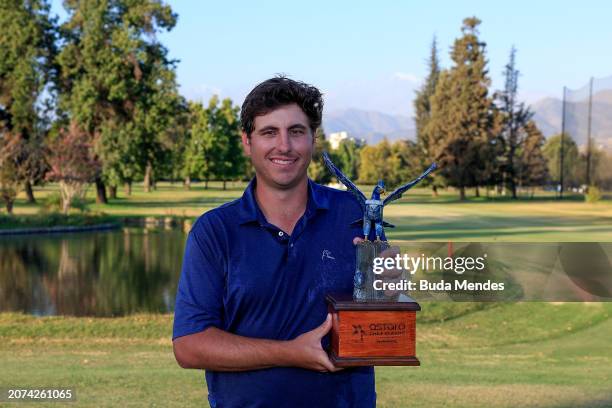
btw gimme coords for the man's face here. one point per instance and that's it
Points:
(280, 146)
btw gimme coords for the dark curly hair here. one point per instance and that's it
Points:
(281, 91)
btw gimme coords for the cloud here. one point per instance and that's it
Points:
(406, 76)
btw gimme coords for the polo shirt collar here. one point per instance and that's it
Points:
(250, 211)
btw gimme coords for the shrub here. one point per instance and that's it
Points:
(593, 195)
(53, 203)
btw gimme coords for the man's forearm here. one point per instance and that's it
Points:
(218, 350)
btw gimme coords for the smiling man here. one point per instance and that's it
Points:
(250, 306)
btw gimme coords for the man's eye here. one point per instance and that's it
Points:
(297, 132)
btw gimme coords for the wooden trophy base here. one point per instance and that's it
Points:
(374, 333)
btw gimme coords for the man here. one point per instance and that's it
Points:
(250, 305)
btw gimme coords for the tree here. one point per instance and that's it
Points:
(214, 149)
(404, 163)
(348, 157)
(463, 123)
(551, 152)
(176, 140)
(317, 170)
(229, 158)
(375, 163)
(422, 101)
(158, 116)
(114, 75)
(532, 168)
(515, 118)
(601, 171)
(422, 107)
(27, 48)
(10, 177)
(72, 164)
(198, 153)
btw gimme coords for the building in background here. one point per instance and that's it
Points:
(337, 137)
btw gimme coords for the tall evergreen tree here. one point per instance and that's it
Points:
(422, 108)
(515, 116)
(422, 102)
(463, 123)
(532, 168)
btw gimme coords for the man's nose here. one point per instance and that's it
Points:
(283, 143)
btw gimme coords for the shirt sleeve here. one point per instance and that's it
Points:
(199, 297)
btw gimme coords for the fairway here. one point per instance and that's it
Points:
(527, 354)
(473, 355)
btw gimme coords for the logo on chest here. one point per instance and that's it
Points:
(327, 254)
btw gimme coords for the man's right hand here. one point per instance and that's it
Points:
(218, 350)
(307, 352)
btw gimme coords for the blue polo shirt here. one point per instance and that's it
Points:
(244, 275)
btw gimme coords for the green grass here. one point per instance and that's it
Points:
(419, 216)
(524, 354)
(473, 354)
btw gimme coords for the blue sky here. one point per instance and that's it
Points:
(369, 55)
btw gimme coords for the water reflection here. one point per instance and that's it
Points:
(107, 273)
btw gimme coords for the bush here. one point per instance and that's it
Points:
(80, 204)
(53, 203)
(593, 195)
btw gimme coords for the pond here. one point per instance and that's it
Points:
(103, 273)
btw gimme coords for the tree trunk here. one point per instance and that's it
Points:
(9, 206)
(187, 183)
(100, 192)
(462, 193)
(206, 184)
(477, 192)
(113, 192)
(29, 192)
(65, 206)
(434, 189)
(148, 177)
(513, 188)
(127, 186)
(224, 185)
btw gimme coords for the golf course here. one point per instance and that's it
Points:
(531, 354)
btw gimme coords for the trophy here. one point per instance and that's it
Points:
(372, 327)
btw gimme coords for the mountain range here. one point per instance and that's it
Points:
(374, 126)
(369, 125)
(548, 113)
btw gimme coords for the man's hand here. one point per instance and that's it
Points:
(218, 350)
(307, 352)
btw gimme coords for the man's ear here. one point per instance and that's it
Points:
(246, 144)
